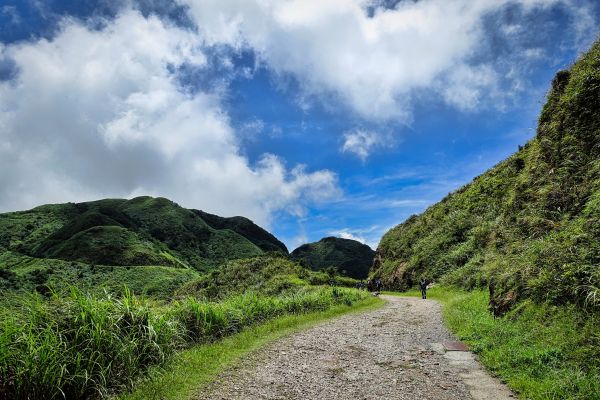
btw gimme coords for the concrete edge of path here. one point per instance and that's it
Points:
(482, 385)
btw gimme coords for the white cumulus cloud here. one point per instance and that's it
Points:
(362, 142)
(99, 112)
(349, 235)
(369, 236)
(373, 64)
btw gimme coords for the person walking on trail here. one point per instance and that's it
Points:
(378, 284)
(423, 286)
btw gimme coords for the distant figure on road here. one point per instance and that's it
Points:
(423, 286)
(378, 285)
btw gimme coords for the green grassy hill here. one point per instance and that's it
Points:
(62, 244)
(350, 257)
(24, 273)
(245, 227)
(89, 336)
(268, 274)
(81, 345)
(530, 226)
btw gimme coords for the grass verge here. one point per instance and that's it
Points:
(82, 346)
(541, 351)
(193, 368)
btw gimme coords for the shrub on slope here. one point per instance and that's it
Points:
(271, 274)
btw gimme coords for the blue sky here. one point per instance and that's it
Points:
(321, 118)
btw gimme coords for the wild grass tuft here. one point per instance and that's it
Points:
(79, 345)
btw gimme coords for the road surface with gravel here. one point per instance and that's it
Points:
(398, 351)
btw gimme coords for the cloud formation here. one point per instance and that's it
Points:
(369, 236)
(100, 112)
(104, 109)
(346, 234)
(374, 62)
(362, 142)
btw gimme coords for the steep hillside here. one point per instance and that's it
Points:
(269, 274)
(530, 226)
(19, 272)
(141, 231)
(245, 227)
(350, 257)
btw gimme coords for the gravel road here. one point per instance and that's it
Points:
(394, 352)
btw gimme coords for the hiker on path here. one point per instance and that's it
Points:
(423, 286)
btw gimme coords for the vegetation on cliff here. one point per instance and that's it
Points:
(530, 226)
(524, 239)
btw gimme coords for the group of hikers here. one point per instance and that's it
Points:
(375, 285)
(372, 285)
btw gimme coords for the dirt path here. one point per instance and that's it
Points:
(395, 352)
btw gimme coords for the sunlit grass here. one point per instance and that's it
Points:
(193, 368)
(541, 351)
(80, 345)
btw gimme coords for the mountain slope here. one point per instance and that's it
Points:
(141, 231)
(530, 226)
(245, 227)
(349, 256)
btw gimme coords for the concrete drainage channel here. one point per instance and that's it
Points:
(481, 385)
